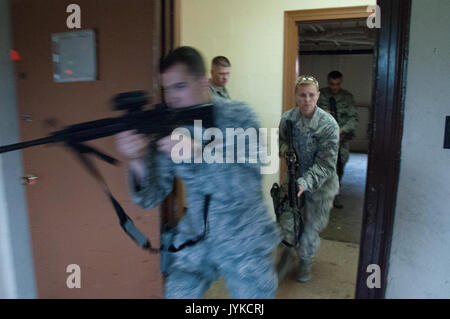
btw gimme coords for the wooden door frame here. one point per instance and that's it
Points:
(291, 48)
(385, 134)
(385, 129)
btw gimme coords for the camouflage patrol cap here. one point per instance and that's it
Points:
(306, 80)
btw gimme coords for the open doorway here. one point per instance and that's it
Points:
(390, 59)
(342, 48)
(346, 46)
(385, 129)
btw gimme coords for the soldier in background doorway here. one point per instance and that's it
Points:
(340, 103)
(220, 74)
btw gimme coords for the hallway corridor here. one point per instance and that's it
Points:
(335, 266)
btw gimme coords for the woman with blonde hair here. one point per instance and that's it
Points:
(316, 142)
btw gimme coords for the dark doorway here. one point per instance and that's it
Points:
(385, 127)
(346, 46)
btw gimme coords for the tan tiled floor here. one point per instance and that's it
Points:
(334, 276)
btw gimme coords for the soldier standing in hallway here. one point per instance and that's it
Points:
(220, 74)
(316, 142)
(340, 103)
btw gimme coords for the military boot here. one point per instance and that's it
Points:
(304, 273)
(285, 264)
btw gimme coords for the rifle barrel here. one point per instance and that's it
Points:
(145, 122)
(18, 146)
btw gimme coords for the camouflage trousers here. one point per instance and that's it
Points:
(316, 213)
(344, 153)
(191, 271)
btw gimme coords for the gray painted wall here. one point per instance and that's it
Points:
(16, 264)
(420, 252)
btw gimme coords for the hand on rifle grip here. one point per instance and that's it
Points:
(300, 190)
(132, 145)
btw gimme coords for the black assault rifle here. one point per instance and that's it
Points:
(295, 202)
(292, 163)
(159, 122)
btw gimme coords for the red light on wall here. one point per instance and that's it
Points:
(14, 55)
(69, 72)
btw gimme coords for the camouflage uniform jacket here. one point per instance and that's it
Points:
(346, 112)
(238, 221)
(219, 91)
(316, 141)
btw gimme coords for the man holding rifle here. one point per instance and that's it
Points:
(226, 230)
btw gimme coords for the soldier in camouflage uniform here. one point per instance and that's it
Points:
(238, 239)
(220, 74)
(347, 118)
(316, 142)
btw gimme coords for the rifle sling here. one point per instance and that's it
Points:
(125, 221)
